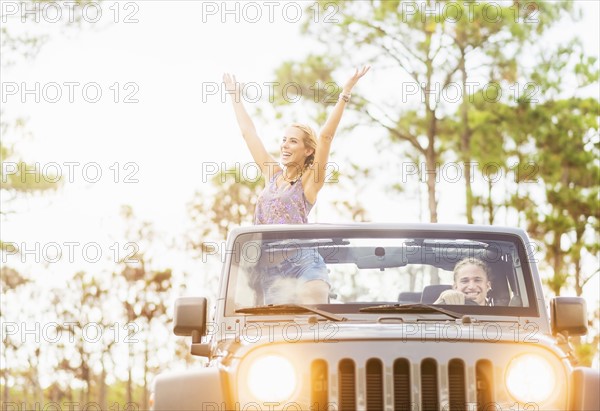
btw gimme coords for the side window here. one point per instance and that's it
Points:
(520, 300)
(500, 272)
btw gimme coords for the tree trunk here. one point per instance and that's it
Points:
(5, 375)
(431, 177)
(102, 389)
(465, 140)
(130, 365)
(557, 283)
(130, 318)
(434, 275)
(145, 399)
(35, 377)
(430, 154)
(490, 204)
(5, 391)
(431, 165)
(576, 255)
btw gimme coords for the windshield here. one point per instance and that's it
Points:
(349, 271)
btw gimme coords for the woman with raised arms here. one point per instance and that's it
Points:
(292, 186)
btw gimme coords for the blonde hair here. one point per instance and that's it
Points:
(473, 261)
(310, 141)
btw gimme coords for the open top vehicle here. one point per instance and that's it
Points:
(385, 338)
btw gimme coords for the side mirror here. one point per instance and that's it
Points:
(568, 314)
(190, 317)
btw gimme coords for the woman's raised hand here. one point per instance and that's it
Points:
(354, 79)
(231, 85)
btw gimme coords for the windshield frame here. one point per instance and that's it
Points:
(337, 236)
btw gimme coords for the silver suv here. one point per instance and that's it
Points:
(414, 317)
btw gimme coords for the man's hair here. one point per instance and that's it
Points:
(473, 261)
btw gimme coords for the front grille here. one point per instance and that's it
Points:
(456, 385)
(319, 390)
(401, 375)
(347, 392)
(485, 383)
(429, 385)
(401, 385)
(374, 385)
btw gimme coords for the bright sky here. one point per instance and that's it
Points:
(163, 58)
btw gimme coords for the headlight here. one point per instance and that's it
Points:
(530, 378)
(272, 378)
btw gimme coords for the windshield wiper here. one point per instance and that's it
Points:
(289, 309)
(409, 308)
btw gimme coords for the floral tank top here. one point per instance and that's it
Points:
(282, 206)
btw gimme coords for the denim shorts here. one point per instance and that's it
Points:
(306, 265)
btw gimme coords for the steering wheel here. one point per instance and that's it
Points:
(470, 302)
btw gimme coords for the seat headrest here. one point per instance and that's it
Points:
(409, 297)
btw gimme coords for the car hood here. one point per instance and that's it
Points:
(260, 333)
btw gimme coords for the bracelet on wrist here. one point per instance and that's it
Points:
(345, 97)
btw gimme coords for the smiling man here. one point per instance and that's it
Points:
(471, 283)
